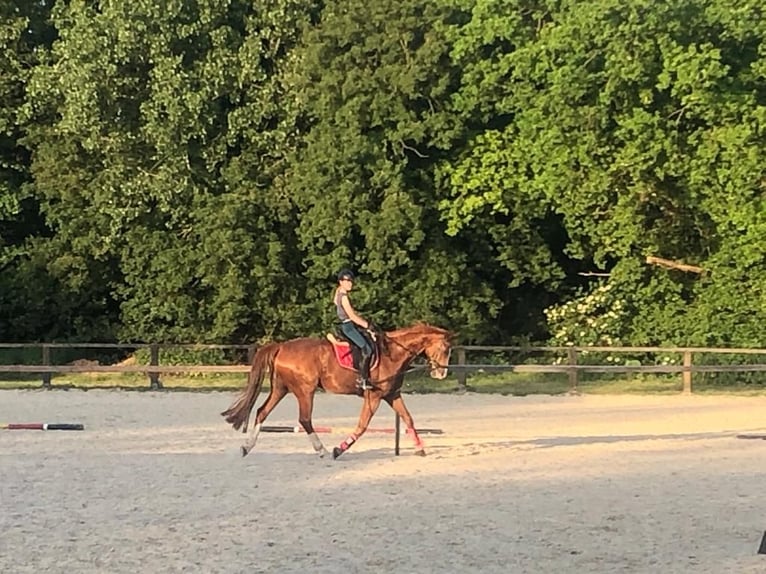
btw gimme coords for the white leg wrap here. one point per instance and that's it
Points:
(317, 444)
(253, 437)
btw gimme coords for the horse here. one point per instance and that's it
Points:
(301, 366)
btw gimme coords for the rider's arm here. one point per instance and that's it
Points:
(346, 304)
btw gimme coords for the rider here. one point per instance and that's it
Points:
(352, 323)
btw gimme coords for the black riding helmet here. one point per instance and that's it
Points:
(346, 274)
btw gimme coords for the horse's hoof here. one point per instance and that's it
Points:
(322, 452)
(420, 452)
(336, 452)
(243, 450)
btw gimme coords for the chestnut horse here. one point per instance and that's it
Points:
(300, 366)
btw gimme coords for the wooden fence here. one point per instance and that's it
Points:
(571, 361)
(573, 364)
(152, 370)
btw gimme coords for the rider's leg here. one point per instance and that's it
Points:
(364, 368)
(368, 353)
(353, 335)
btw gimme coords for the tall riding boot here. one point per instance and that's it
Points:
(364, 371)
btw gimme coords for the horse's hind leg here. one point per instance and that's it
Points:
(277, 393)
(305, 408)
(397, 403)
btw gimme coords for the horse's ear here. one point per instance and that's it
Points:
(452, 336)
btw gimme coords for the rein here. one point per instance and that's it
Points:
(431, 363)
(412, 354)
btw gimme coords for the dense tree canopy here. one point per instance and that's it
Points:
(199, 170)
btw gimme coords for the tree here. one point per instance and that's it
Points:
(604, 108)
(375, 80)
(25, 37)
(153, 129)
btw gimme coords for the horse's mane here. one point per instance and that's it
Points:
(420, 328)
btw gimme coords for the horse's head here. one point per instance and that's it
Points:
(437, 349)
(433, 342)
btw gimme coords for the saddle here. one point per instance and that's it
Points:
(349, 355)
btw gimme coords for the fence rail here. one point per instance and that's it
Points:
(572, 366)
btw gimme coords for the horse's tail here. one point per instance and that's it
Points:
(238, 414)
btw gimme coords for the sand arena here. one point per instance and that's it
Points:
(585, 484)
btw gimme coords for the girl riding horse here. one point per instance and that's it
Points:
(301, 366)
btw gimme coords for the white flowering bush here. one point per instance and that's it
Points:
(594, 318)
(600, 318)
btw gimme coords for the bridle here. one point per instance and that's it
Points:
(432, 364)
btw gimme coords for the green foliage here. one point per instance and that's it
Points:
(23, 34)
(614, 118)
(375, 80)
(187, 356)
(151, 172)
(198, 171)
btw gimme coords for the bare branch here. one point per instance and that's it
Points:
(412, 149)
(667, 263)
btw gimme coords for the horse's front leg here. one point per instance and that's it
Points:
(371, 404)
(397, 403)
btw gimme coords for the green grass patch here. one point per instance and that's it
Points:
(635, 385)
(135, 381)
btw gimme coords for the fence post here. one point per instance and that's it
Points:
(46, 362)
(154, 360)
(572, 361)
(461, 373)
(397, 432)
(687, 376)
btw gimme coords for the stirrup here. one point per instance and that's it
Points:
(363, 384)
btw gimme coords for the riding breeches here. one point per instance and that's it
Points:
(351, 331)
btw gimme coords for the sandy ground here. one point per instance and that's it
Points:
(539, 484)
